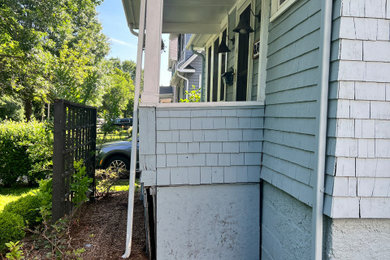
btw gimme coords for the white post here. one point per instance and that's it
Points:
(154, 16)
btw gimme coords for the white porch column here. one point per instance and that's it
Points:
(154, 14)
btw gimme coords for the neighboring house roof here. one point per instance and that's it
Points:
(189, 67)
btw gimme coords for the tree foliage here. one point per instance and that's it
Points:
(56, 49)
(50, 49)
(118, 95)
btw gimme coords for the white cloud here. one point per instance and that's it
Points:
(113, 40)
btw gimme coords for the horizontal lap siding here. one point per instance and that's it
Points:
(193, 78)
(291, 100)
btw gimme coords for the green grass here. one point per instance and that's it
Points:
(122, 135)
(123, 185)
(8, 195)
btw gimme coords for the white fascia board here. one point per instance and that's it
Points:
(188, 62)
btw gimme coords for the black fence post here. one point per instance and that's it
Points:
(74, 139)
(58, 201)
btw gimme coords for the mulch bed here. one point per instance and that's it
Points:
(100, 228)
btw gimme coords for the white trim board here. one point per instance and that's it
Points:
(188, 62)
(233, 104)
(278, 9)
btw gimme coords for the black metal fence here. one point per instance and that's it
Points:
(74, 140)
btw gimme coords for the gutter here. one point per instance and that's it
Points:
(318, 206)
(186, 80)
(132, 30)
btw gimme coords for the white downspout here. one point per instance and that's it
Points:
(186, 80)
(138, 73)
(317, 216)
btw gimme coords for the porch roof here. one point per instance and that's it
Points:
(184, 16)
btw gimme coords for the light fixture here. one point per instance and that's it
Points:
(223, 48)
(243, 26)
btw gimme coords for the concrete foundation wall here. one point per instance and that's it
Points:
(286, 232)
(208, 222)
(286, 226)
(357, 239)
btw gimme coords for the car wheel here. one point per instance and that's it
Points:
(120, 165)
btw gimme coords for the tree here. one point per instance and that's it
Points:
(118, 97)
(50, 49)
(77, 70)
(10, 109)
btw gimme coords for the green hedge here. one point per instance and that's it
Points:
(28, 207)
(11, 228)
(25, 151)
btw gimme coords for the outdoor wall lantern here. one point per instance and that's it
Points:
(227, 77)
(223, 48)
(243, 26)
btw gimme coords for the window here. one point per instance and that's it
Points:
(280, 6)
(223, 67)
(208, 73)
(215, 71)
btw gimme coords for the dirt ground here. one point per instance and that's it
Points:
(100, 228)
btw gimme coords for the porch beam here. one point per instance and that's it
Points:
(203, 3)
(154, 14)
(208, 28)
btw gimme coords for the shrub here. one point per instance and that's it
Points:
(80, 184)
(105, 181)
(27, 207)
(11, 228)
(193, 95)
(45, 198)
(25, 151)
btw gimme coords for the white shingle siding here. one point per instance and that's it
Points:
(198, 145)
(359, 111)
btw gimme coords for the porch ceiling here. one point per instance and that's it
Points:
(185, 16)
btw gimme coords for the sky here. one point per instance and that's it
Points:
(123, 43)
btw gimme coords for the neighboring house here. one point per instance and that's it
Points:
(185, 65)
(251, 179)
(166, 94)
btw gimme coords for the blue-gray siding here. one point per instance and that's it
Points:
(203, 145)
(291, 100)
